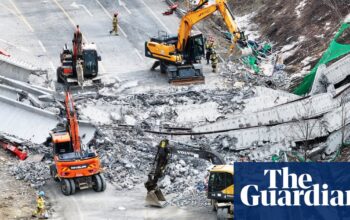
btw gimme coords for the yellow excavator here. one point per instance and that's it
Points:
(220, 183)
(179, 56)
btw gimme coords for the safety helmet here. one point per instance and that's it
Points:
(41, 193)
(115, 14)
(164, 143)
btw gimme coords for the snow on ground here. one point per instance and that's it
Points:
(250, 29)
(300, 7)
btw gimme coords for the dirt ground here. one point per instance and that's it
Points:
(17, 199)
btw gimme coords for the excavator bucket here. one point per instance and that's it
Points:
(156, 198)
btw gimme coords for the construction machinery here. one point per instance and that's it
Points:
(180, 56)
(78, 64)
(75, 166)
(220, 183)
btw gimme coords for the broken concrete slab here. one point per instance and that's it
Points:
(17, 69)
(35, 90)
(35, 158)
(22, 121)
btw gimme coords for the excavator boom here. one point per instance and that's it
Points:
(72, 122)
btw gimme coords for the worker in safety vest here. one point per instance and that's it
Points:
(40, 206)
(115, 24)
(209, 46)
(214, 61)
(77, 42)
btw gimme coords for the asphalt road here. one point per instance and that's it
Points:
(51, 23)
(42, 27)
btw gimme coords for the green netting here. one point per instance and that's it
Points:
(251, 61)
(334, 51)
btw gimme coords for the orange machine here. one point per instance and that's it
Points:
(74, 167)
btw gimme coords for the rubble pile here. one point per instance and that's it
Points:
(178, 108)
(36, 174)
(124, 156)
(190, 197)
(237, 74)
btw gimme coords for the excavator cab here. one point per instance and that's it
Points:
(194, 50)
(221, 189)
(90, 63)
(220, 186)
(61, 143)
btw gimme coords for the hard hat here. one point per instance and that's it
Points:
(164, 143)
(116, 14)
(41, 193)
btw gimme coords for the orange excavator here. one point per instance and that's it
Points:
(74, 166)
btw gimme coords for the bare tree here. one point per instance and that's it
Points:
(304, 127)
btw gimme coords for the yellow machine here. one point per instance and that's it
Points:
(179, 56)
(220, 190)
(220, 183)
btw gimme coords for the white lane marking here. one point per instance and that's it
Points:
(138, 54)
(122, 3)
(19, 14)
(156, 17)
(110, 16)
(42, 46)
(69, 18)
(13, 45)
(65, 13)
(75, 5)
(9, 9)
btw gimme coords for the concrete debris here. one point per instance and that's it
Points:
(332, 75)
(36, 174)
(35, 158)
(18, 69)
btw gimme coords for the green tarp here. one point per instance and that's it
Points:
(334, 51)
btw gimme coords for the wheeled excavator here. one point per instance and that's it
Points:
(80, 63)
(220, 183)
(180, 56)
(75, 166)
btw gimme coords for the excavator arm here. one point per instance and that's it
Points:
(72, 121)
(200, 13)
(154, 195)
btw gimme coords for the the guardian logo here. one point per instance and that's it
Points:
(293, 190)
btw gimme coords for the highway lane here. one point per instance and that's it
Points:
(123, 57)
(18, 39)
(50, 27)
